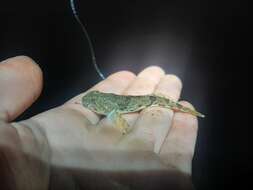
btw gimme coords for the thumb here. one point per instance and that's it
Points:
(20, 86)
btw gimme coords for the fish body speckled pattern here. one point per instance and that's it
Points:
(113, 105)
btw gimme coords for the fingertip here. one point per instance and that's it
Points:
(116, 82)
(25, 67)
(145, 82)
(155, 68)
(35, 72)
(122, 75)
(152, 72)
(175, 80)
(186, 104)
(20, 61)
(22, 80)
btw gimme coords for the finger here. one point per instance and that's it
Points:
(178, 148)
(115, 83)
(20, 86)
(143, 84)
(154, 122)
(170, 86)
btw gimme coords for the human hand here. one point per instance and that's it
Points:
(71, 136)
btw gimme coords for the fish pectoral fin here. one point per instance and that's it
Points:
(118, 121)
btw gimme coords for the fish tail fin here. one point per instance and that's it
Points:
(181, 108)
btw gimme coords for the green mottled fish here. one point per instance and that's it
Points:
(113, 106)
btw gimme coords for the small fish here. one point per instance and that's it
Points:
(113, 106)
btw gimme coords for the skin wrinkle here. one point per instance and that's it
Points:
(39, 137)
(41, 153)
(5, 149)
(22, 144)
(13, 153)
(8, 169)
(87, 122)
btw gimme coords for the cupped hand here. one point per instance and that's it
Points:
(71, 136)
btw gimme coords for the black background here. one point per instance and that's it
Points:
(204, 42)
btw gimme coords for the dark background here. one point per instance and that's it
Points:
(204, 42)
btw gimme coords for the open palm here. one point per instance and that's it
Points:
(71, 136)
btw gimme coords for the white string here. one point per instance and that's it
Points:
(93, 57)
